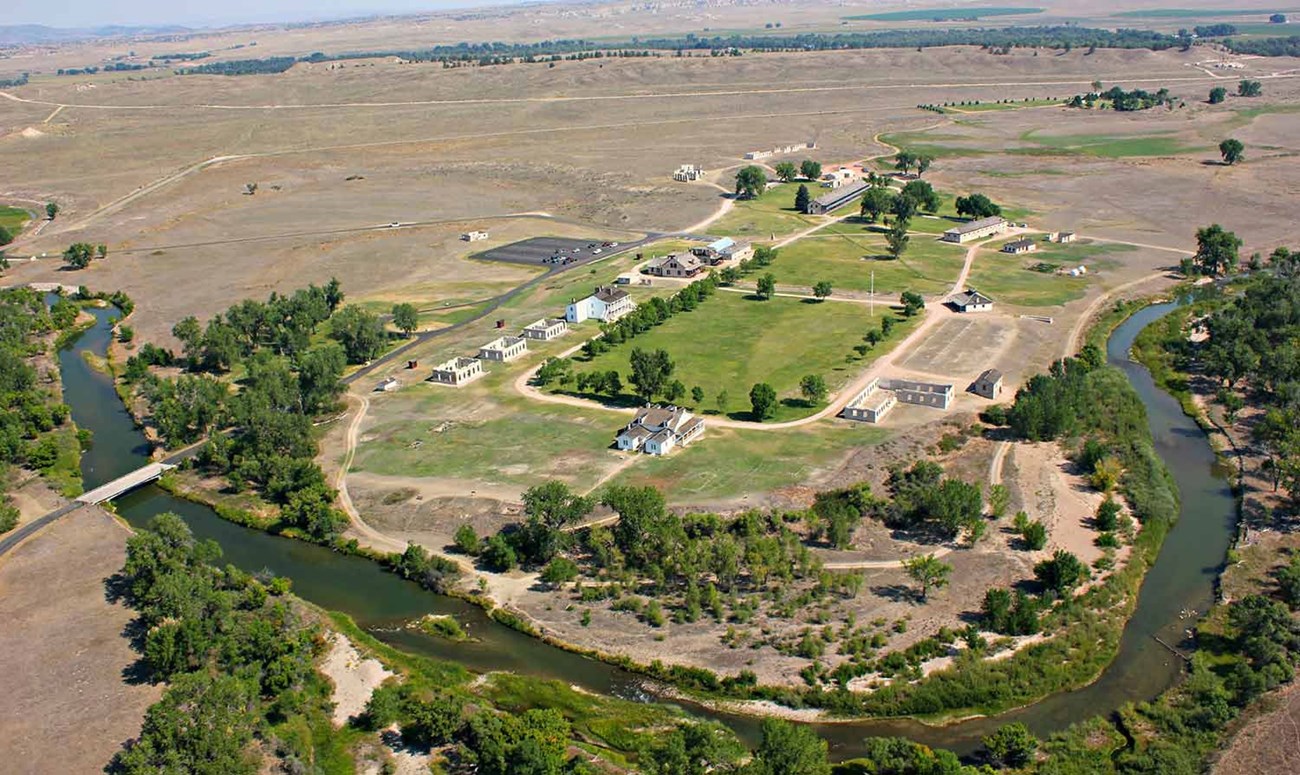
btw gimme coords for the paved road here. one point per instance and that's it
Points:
(9, 541)
(492, 305)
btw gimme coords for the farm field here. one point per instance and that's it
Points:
(733, 341)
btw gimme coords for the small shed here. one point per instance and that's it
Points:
(988, 384)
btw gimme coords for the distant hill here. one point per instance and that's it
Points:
(28, 34)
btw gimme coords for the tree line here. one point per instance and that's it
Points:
(286, 381)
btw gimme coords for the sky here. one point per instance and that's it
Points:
(198, 13)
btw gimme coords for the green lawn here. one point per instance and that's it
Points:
(771, 213)
(1014, 280)
(848, 260)
(726, 462)
(930, 143)
(13, 218)
(733, 341)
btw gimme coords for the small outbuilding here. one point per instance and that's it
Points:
(1065, 236)
(507, 348)
(474, 236)
(388, 385)
(457, 371)
(988, 384)
(1019, 246)
(971, 300)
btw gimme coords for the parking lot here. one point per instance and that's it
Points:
(555, 252)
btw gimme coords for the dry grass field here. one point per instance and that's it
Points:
(66, 699)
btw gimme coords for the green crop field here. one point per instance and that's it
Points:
(733, 341)
(1109, 146)
(772, 213)
(1012, 279)
(847, 262)
(944, 14)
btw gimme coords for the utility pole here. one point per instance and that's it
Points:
(873, 293)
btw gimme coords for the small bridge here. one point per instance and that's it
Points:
(122, 484)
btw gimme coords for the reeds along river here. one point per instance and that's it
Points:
(1181, 580)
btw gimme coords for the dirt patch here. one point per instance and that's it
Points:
(68, 681)
(355, 677)
(1268, 740)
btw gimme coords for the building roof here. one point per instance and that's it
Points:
(970, 297)
(841, 195)
(1023, 242)
(610, 295)
(720, 245)
(686, 261)
(970, 226)
(670, 417)
(990, 375)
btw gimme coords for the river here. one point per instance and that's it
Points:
(1182, 578)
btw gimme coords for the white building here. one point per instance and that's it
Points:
(546, 329)
(1065, 236)
(973, 230)
(659, 430)
(971, 300)
(504, 349)
(457, 372)
(388, 385)
(474, 236)
(606, 305)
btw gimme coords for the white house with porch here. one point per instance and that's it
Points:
(607, 304)
(658, 430)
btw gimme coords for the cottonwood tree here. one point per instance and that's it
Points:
(876, 202)
(812, 170)
(750, 181)
(977, 206)
(928, 571)
(1062, 572)
(912, 303)
(1232, 151)
(813, 387)
(1249, 89)
(904, 161)
(1217, 95)
(922, 195)
(1216, 250)
(762, 401)
(651, 370)
(78, 255)
(822, 289)
(1013, 745)
(787, 749)
(360, 332)
(897, 238)
(51, 210)
(767, 286)
(923, 163)
(6, 236)
(406, 317)
(786, 171)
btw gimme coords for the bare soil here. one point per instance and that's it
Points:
(69, 684)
